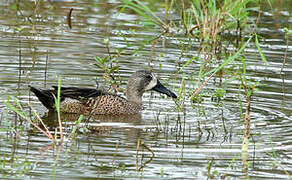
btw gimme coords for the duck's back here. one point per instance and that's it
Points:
(109, 104)
(87, 101)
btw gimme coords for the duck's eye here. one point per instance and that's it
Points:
(148, 76)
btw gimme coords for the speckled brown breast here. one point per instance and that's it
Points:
(105, 104)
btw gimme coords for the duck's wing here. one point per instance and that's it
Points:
(47, 96)
(79, 93)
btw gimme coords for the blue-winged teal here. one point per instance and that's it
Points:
(92, 101)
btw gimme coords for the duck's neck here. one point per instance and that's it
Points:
(134, 95)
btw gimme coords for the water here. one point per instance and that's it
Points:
(183, 144)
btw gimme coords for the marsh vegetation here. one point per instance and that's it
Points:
(227, 60)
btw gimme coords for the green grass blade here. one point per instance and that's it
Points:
(187, 63)
(142, 10)
(230, 59)
(260, 50)
(19, 110)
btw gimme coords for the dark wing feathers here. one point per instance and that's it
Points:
(46, 96)
(79, 93)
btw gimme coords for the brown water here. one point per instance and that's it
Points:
(183, 143)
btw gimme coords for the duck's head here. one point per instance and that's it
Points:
(141, 81)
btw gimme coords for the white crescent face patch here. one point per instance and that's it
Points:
(152, 83)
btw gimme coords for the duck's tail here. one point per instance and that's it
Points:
(45, 96)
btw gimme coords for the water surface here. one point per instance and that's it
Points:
(182, 143)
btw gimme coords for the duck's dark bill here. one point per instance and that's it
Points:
(160, 88)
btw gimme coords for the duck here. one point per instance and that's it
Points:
(91, 101)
